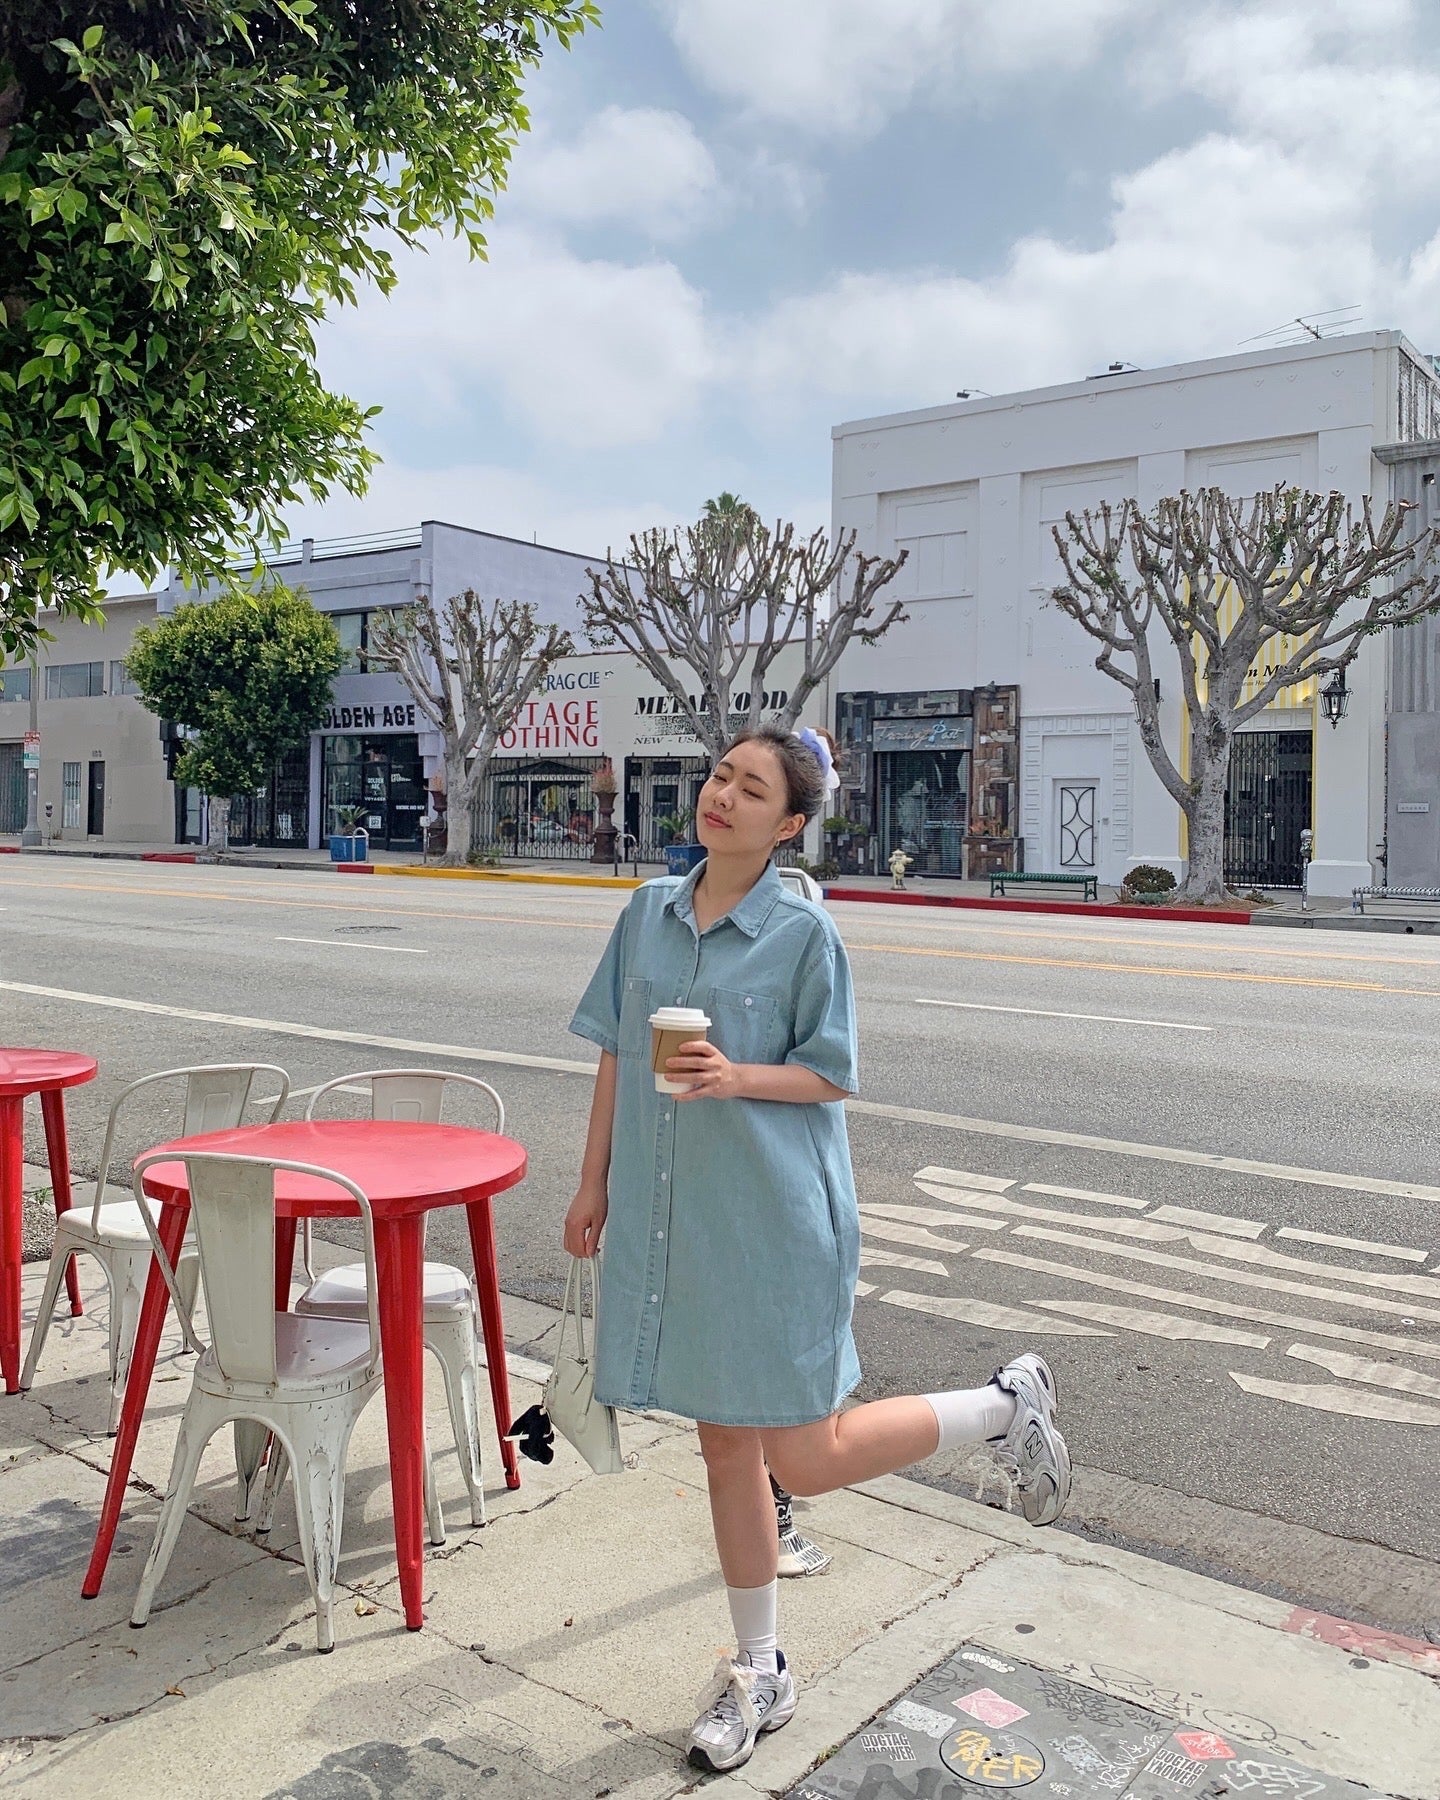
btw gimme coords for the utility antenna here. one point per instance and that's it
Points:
(1309, 327)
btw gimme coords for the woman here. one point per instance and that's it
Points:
(731, 1230)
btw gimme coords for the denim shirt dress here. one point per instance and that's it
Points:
(732, 1243)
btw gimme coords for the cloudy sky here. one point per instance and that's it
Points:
(737, 222)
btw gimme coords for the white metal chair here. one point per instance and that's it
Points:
(115, 1232)
(304, 1379)
(449, 1316)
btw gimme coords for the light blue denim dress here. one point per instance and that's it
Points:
(732, 1243)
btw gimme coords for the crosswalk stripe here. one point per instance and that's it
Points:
(922, 1265)
(1068, 1193)
(963, 1178)
(926, 1215)
(1357, 1368)
(1356, 1403)
(1244, 1277)
(862, 1288)
(910, 1234)
(1364, 1245)
(1207, 1221)
(998, 1318)
(1224, 1309)
(1154, 1324)
(1424, 1286)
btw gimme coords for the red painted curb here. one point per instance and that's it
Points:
(353, 868)
(1365, 1640)
(167, 856)
(1080, 909)
(9, 849)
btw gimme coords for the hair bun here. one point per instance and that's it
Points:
(820, 750)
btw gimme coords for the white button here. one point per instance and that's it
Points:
(659, 1234)
(664, 1176)
(665, 1118)
(654, 1299)
(749, 1001)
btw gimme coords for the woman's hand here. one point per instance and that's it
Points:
(710, 1072)
(585, 1221)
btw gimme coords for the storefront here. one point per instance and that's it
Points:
(274, 817)
(384, 777)
(539, 807)
(916, 776)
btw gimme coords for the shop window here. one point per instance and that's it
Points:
(74, 681)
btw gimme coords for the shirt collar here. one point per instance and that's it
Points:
(749, 915)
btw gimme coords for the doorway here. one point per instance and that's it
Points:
(925, 807)
(1267, 806)
(95, 802)
(1075, 802)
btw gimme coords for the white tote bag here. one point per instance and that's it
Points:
(570, 1392)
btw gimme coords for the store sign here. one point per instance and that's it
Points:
(369, 718)
(662, 725)
(923, 734)
(553, 725)
(31, 755)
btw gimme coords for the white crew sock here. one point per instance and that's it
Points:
(972, 1415)
(752, 1611)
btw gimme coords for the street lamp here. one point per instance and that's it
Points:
(1335, 698)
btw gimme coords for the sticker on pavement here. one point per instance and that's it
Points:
(993, 1760)
(1204, 1746)
(987, 1662)
(920, 1718)
(991, 1708)
(893, 1744)
(1176, 1766)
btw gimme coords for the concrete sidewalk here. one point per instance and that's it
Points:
(565, 1642)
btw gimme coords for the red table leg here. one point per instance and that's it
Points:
(284, 1261)
(400, 1265)
(12, 1200)
(492, 1324)
(57, 1149)
(173, 1220)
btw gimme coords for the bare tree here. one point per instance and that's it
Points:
(1254, 597)
(471, 668)
(697, 607)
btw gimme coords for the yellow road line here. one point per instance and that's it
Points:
(1107, 968)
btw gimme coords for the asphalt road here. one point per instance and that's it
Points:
(1077, 1089)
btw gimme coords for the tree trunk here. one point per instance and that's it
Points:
(1204, 883)
(461, 786)
(219, 844)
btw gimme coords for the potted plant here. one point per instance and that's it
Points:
(604, 787)
(680, 856)
(349, 844)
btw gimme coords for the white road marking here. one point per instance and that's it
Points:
(965, 1179)
(862, 1288)
(1356, 1403)
(1378, 1374)
(1002, 1203)
(1244, 1277)
(1224, 1309)
(1067, 1193)
(927, 1215)
(1078, 1140)
(354, 944)
(1153, 1324)
(910, 1234)
(1034, 1012)
(321, 1033)
(1423, 1285)
(922, 1265)
(1207, 1221)
(998, 1318)
(1364, 1245)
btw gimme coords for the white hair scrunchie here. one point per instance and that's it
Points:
(820, 750)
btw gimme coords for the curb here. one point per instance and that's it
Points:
(1083, 909)
(546, 880)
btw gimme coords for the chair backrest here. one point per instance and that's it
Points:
(232, 1200)
(413, 1095)
(216, 1095)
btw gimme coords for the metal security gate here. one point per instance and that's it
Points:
(541, 810)
(1267, 806)
(12, 787)
(1077, 825)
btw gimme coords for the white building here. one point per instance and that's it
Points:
(973, 488)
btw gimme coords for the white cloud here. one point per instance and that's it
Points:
(585, 353)
(638, 167)
(842, 67)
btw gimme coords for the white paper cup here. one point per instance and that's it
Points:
(671, 1027)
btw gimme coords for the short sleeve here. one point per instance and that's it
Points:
(825, 1019)
(597, 1017)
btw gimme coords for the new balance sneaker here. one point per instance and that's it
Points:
(738, 1705)
(1033, 1452)
(799, 1555)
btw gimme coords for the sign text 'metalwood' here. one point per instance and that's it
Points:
(654, 705)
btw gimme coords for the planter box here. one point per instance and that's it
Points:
(680, 859)
(349, 849)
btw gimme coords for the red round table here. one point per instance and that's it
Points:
(46, 1073)
(405, 1171)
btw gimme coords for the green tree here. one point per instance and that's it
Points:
(249, 675)
(185, 187)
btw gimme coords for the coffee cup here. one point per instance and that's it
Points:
(671, 1027)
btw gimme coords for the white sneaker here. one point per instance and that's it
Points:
(738, 1705)
(1033, 1451)
(799, 1555)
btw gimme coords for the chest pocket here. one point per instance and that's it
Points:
(635, 1010)
(748, 1026)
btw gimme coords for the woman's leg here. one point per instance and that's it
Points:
(741, 1508)
(1015, 1412)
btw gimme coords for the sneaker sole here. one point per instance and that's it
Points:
(1049, 1506)
(701, 1759)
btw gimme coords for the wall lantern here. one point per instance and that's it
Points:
(1335, 698)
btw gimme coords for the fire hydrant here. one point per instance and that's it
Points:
(899, 863)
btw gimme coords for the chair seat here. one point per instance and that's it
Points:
(314, 1357)
(120, 1223)
(341, 1293)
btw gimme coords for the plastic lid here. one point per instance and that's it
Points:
(678, 1018)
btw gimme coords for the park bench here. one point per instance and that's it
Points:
(1359, 895)
(1089, 883)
